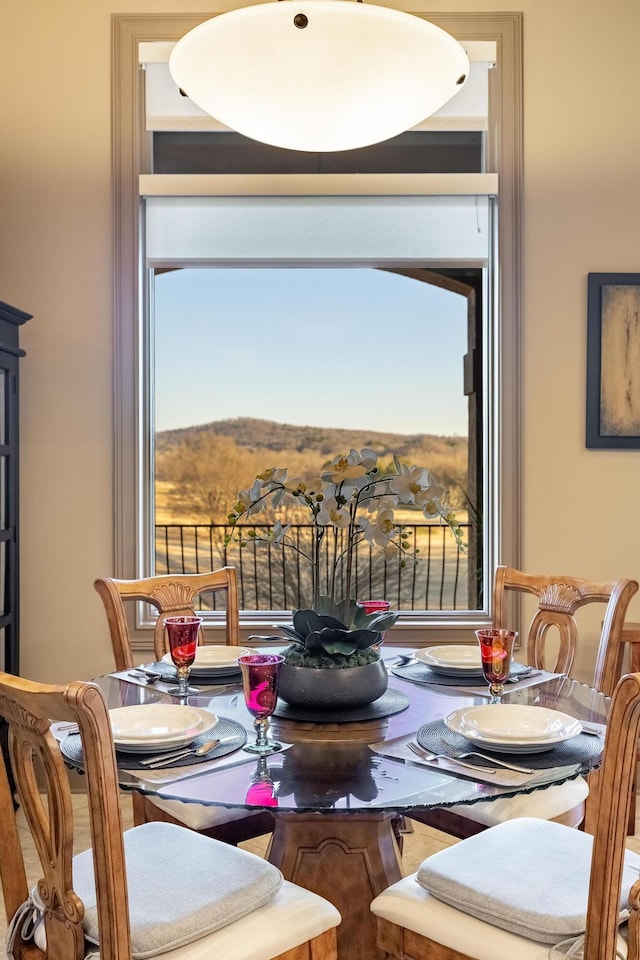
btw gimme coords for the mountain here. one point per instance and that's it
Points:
(252, 433)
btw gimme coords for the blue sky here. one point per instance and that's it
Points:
(353, 348)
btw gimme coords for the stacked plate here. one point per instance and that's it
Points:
(452, 660)
(154, 727)
(213, 661)
(513, 727)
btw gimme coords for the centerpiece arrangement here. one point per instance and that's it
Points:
(350, 502)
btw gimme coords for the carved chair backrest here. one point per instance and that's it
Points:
(617, 775)
(172, 596)
(38, 766)
(558, 599)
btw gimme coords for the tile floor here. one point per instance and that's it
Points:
(419, 844)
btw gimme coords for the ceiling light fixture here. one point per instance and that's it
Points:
(319, 75)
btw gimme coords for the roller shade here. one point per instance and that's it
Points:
(359, 230)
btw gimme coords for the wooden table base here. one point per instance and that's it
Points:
(346, 858)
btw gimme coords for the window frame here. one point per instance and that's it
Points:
(131, 157)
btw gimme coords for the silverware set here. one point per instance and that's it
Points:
(162, 759)
(430, 755)
(460, 755)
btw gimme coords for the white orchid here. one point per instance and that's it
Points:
(352, 483)
(352, 465)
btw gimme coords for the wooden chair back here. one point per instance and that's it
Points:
(558, 599)
(174, 595)
(38, 766)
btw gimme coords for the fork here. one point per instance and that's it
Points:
(458, 753)
(428, 755)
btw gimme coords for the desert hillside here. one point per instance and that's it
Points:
(200, 469)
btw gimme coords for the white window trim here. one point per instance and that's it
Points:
(130, 152)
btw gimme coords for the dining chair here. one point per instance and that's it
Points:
(177, 595)
(530, 889)
(557, 600)
(172, 595)
(155, 889)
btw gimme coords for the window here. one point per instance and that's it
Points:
(286, 366)
(434, 231)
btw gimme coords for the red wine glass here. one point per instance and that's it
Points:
(376, 606)
(496, 649)
(260, 676)
(183, 641)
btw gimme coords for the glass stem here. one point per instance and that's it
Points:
(183, 681)
(261, 725)
(496, 690)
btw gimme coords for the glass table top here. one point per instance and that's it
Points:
(329, 766)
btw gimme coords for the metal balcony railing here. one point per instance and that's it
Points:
(277, 577)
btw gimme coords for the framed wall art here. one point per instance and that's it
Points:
(613, 361)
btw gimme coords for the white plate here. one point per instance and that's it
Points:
(513, 727)
(210, 658)
(154, 725)
(452, 660)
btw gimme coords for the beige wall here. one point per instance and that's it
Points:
(581, 213)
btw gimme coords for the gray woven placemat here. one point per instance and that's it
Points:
(391, 701)
(419, 672)
(581, 749)
(232, 732)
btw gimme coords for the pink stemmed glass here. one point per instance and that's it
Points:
(496, 649)
(260, 676)
(376, 606)
(183, 641)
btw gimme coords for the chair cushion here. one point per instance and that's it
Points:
(197, 816)
(182, 886)
(408, 905)
(542, 804)
(539, 886)
(291, 917)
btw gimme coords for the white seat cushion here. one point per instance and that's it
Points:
(197, 816)
(541, 804)
(409, 905)
(293, 916)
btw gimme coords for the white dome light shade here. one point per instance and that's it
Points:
(319, 75)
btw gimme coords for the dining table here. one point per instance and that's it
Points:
(342, 779)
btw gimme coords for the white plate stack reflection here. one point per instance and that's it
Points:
(152, 727)
(513, 728)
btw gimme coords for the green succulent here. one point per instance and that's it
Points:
(337, 629)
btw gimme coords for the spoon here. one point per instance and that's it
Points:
(163, 758)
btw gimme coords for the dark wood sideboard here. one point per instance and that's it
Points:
(11, 319)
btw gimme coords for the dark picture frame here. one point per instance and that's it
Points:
(613, 361)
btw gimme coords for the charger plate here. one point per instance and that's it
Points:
(391, 701)
(231, 732)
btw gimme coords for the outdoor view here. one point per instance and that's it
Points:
(289, 368)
